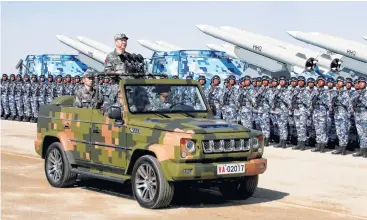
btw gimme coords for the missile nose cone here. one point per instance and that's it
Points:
(293, 33)
(365, 37)
(59, 36)
(202, 27)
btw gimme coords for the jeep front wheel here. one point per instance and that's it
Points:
(149, 186)
(57, 167)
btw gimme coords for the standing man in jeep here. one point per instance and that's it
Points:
(87, 96)
(113, 59)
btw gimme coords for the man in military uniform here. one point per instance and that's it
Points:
(113, 60)
(311, 134)
(215, 94)
(281, 104)
(77, 84)
(27, 94)
(262, 101)
(34, 97)
(331, 132)
(293, 89)
(229, 100)
(42, 90)
(162, 101)
(244, 103)
(50, 89)
(12, 105)
(5, 111)
(340, 103)
(320, 105)
(360, 111)
(353, 136)
(301, 103)
(274, 116)
(202, 81)
(59, 87)
(255, 116)
(87, 96)
(18, 96)
(68, 86)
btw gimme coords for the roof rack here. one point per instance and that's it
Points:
(125, 75)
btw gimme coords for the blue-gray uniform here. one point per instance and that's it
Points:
(18, 96)
(292, 125)
(320, 105)
(301, 103)
(331, 132)
(360, 112)
(340, 104)
(27, 94)
(5, 111)
(281, 104)
(12, 105)
(42, 90)
(59, 87)
(310, 126)
(34, 97)
(229, 101)
(263, 104)
(50, 90)
(68, 86)
(215, 95)
(245, 106)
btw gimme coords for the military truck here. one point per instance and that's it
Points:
(152, 137)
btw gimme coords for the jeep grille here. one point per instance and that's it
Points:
(231, 145)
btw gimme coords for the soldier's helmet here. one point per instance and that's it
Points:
(310, 80)
(59, 76)
(340, 78)
(355, 81)
(175, 77)
(202, 77)
(34, 76)
(42, 76)
(12, 75)
(120, 37)
(361, 79)
(349, 80)
(215, 77)
(68, 76)
(301, 78)
(293, 79)
(19, 76)
(282, 78)
(320, 78)
(265, 78)
(5, 75)
(89, 72)
(226, 80)
(232, 77)
(188, 77)
(26, 76)
(330, 80)
(275, 79)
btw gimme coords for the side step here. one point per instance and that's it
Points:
(84, 172)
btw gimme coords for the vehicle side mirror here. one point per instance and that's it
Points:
(114, 112)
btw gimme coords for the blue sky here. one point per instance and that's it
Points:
(30, 27)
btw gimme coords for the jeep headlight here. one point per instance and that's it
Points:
(188, 145)
(255, 143)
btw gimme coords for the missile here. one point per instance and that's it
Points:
(168, 45)
(221, 48)
(344, 47)
(365, 37)
(88, 55)
(96, 45)
(153, 46)
(254, 45)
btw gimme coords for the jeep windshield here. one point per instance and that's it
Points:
(164, 99)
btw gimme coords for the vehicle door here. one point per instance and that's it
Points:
(108, 144)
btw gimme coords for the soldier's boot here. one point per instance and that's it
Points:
(303, 145)
(322, 148)
(317, 148)
(26, 119)
(337, 150)
(279, 144)
(343, 150)
(364, 152)
(284, 144)
(6, 117)
(35, 120)
(359, 153)
(298, 146)
(266, 142)
(12, 117)
(20, 118)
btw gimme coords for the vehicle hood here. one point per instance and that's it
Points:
(190, 125)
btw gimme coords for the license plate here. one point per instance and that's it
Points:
(231, 168)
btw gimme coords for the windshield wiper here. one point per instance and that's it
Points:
(189, 114)
(164, 115)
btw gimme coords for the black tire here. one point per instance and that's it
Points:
(66, 177)
(242, 189)
(164, 190)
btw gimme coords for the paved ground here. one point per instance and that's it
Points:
(297, 185)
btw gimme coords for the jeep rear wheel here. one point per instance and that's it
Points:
(149, 186)
(242, 189)
(57, 167)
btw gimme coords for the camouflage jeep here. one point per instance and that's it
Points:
(155, 135)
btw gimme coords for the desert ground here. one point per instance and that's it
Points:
(297, 185)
